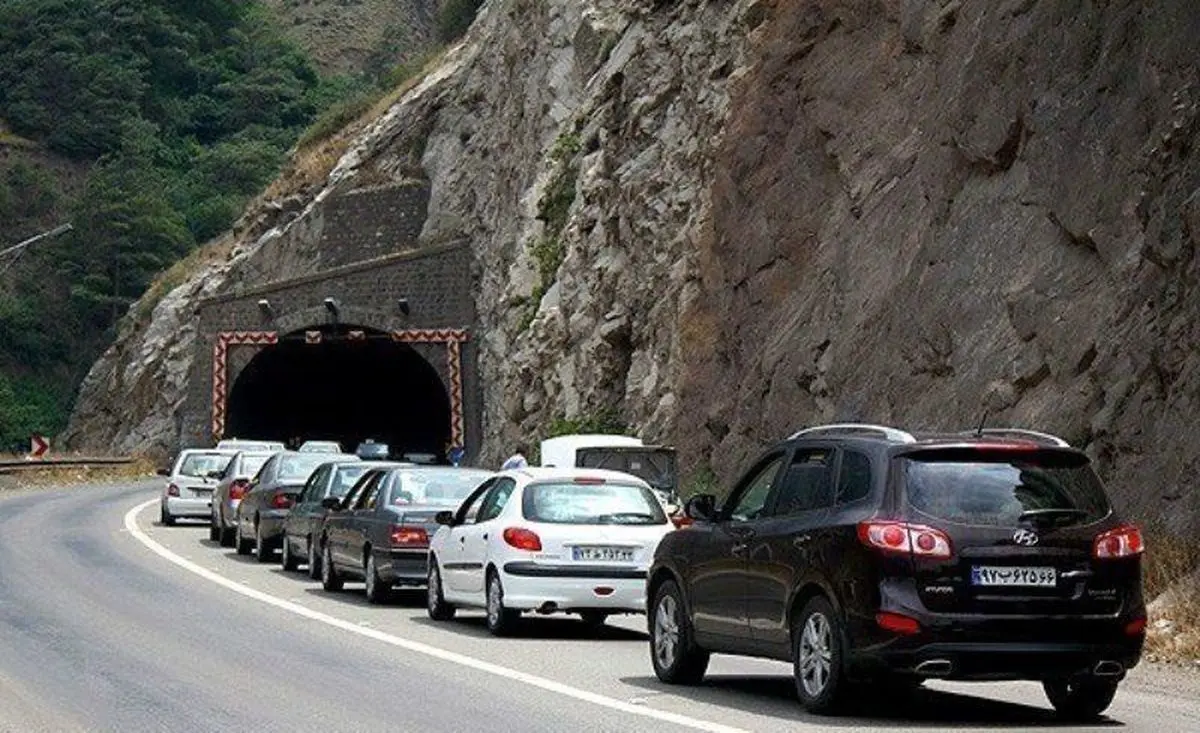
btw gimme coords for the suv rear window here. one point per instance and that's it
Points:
(1003, 488)
(572, 503)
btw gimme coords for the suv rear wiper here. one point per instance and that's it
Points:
(1058, 513)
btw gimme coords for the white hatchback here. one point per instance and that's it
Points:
(550, 540)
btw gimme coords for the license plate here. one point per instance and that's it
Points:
(1026, 577)
(607, 554)
(202, 493)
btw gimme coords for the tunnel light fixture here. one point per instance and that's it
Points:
(402, 304)
(332, 306)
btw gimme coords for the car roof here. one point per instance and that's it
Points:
(547, 473)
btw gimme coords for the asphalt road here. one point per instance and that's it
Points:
(110, 622)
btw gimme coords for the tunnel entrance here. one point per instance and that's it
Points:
(344, 389)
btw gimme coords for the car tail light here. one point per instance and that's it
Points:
(523, 539)
(1124, 541)
(905, 538)
(280, 500)
(681, 520)
(1136, 627)
(172, 490)
(897, 623)
(409, 536)
(237, 489)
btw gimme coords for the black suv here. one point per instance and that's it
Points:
(865, 554)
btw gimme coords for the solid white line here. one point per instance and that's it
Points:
(416, 646)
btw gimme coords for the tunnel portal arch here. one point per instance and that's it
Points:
(345, 383)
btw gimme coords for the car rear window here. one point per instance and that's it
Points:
(1003, 488)
(344, 478)
(574, 503)
(252, 463)
(199, 465)
(437, 487)
(300, 465)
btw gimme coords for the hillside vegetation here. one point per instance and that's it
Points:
(147, 124)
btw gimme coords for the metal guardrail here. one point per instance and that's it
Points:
(34, 464)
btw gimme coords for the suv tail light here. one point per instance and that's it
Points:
(897, 623)
(280, 500)
(523, 539)
(409, 536)
(1124, 541)
(237, 489)
(172, 490)
(904, 538)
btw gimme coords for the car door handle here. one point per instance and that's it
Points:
(485, 536)
(462, 540)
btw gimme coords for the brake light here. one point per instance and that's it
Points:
(172, 490)
(905, 538)
(681, 520)
(523, 539)
(409, 536)
(1124, 541)
(589, 480)
(1021, 445)
(281, 500)
(897, 623)
(1136, 627)
(237, 489)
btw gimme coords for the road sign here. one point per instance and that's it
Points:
(38, 446)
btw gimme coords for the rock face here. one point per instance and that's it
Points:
(723, 220)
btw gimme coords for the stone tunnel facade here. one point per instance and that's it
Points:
(421, 298)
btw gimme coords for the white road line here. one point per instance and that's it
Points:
(416, 646)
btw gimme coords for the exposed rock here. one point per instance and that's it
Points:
(776, 213)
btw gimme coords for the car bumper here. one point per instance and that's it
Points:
(404, 567)
(270, 524)
(199, 507)
(530, 586)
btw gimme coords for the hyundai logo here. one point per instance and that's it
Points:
(1025, 537)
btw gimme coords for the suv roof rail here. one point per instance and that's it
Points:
(850, 428)
(1021, 433)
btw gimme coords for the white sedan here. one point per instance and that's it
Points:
(550, 540)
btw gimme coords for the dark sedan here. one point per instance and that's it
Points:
(303, 523)
(380, 532)
(267, 504)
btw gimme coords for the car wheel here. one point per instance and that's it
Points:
(594, 619)
(214, 530)
(262, 546)
(500, 620)
(817, 657)
(676, 658)
(241, 544)
(378, 589)
(435, 601)
(165, 517)
(1080, 699)
(314, 560)
(330, 580)
(287, 560)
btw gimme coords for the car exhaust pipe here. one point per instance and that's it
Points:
(934, 668)
(1108, 668)
(547, 608)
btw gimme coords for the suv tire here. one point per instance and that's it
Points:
(817, 654)
(673, 651)
(1080, 700)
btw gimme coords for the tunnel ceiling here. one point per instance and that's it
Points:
(341, 389)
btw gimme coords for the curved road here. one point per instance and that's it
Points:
(113, 623)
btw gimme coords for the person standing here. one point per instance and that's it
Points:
(517, 459)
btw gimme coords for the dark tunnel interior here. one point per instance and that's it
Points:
(344, 390)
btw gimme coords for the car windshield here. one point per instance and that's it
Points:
(580, 503)
(1004, 488)
(344, 478)
(199, 465)
(436, 487)
(299, 466)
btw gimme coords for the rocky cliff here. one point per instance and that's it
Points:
(728, 219)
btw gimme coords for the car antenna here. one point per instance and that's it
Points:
(982, 422)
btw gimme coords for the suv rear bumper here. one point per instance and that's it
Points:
(998, 661)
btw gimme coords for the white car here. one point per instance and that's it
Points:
(189, 489)
(550, 540)
(237, 444)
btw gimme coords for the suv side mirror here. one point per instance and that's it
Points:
(702, 507)
(332, 502)
(445, 517)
